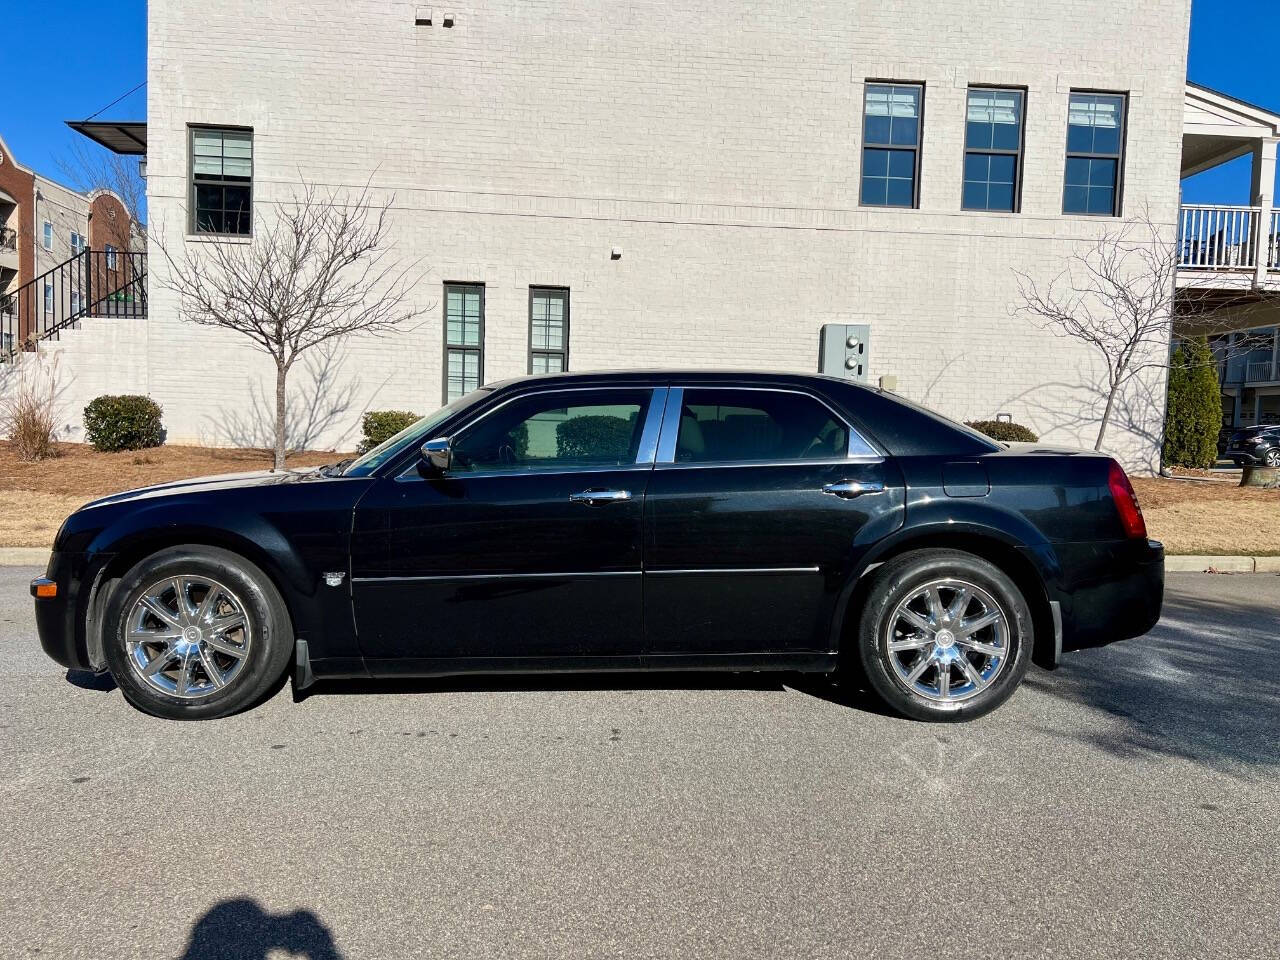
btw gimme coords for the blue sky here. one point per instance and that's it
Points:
(1234, 47)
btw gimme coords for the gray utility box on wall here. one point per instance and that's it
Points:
(845, 350)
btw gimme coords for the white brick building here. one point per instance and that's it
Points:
(693, 175)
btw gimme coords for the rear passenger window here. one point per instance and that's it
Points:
(727, 426)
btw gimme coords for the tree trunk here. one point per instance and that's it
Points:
(1106, 417)
(281, 373)
(1257, 475)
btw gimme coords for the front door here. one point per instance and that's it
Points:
(529, 546)
(760, 504)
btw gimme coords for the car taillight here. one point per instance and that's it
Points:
(1126, 501)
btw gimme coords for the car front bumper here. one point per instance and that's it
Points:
(60, 619)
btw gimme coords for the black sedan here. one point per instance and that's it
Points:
(1254, 445)
(622, 521)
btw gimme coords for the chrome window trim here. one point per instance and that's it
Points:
(732, 570)
(568, 574)
(858, 451)
(644, 456)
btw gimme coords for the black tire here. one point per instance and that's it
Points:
(904, 577)
(256, 674)
(1272, 458)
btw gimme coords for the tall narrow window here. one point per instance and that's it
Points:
(110, 252)
(891, 144)
(548, 330)
(48, 297)
(992, 150)
(221, 181)
(77, 244)
(46, 239)
(1095, 154)
(463, 339)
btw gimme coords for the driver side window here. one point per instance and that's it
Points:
(555, 431)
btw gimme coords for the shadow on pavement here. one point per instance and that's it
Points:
(88, 680)
(819, 686)
(1203, 686)
(242, 930)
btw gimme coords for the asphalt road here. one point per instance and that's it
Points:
(1127, 805)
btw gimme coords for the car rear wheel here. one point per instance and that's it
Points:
(944, 635)
(196, 633)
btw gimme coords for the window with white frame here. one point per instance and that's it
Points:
(548, 330)
(46, 239)
(48, 297)
(110, 255)
(78, 244)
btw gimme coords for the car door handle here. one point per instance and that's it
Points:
(596, 495)
(848, 489)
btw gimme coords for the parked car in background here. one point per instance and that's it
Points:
(1253, 445)
(620, 521)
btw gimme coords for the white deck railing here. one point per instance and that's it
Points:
(1256, 372)
(1218, 238)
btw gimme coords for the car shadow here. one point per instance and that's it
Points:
(832, 689)
(88, 680)
(1202, 686)
(241, 930)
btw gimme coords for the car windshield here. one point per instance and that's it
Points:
(413, 435)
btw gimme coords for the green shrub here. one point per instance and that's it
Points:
(1194, 412)
(598, 438)
(380, 425)
(128, 422)
(1003, 430)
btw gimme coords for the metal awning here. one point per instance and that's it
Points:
(118, 136)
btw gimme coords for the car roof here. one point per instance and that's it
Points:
(654, 376)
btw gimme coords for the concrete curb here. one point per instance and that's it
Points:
(1190, 563)
(24, 557)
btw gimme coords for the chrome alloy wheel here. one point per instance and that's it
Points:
(948, 641)
(187, 636)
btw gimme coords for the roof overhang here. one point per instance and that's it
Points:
(1217, 128)
(123, 137)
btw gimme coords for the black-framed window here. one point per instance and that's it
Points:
(548, 329)
(891, 127)
(1095, 154)
(221, 181)
(993, 149)
(463, 339)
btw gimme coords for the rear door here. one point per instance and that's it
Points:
(529, 547)
(760, 502)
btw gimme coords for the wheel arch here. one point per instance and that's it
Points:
(122, 553)
(994, 546)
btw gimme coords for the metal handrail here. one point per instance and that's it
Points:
(92, 283)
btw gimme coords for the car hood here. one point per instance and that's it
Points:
(225, 481)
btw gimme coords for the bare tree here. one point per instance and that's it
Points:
(1117, 296)
(90, 168)
(317, 270)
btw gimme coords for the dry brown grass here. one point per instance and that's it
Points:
(35, 497)
(1213, 517)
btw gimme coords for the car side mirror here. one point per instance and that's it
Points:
(436, 457)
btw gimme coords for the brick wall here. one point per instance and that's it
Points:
(717, 145)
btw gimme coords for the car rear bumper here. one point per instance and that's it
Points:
(1114, 594)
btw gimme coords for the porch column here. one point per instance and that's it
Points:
(1263, 188)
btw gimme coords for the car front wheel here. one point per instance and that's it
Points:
(1272, 458)
(196, 633)
(944, 635)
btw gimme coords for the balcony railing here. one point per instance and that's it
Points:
(1255, 372)
(1217, 238)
